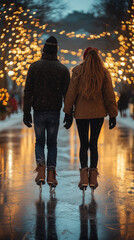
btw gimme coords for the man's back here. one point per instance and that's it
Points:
(46, 84)
(48, 80)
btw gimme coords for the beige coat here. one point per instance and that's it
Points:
(96, 107)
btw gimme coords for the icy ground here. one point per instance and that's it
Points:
(25, 215)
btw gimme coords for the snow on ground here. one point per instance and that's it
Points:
(126, 121)
(12, 120)
(18, 117)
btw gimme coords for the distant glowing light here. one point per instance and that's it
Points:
(122, 63)
(10, 73)
(120, 72)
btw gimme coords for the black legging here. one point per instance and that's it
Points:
(83, 130)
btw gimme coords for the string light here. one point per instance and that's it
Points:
(126, 49)
(22, 43)
(25, 46)
(4, 98)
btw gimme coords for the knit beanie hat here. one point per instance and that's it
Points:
(51, 45)
(88, 50)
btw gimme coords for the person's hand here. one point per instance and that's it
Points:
(112, 122)
(27, 119)
(68, 119)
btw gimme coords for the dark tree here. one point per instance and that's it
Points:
(22, 23)
(112, 12)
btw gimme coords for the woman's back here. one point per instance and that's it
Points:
(91, 89)
(91, 94)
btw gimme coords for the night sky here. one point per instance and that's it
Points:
(79, 5)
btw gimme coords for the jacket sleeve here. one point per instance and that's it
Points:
(71, 94)
(109, 96)
(28, 91)
(66, 81)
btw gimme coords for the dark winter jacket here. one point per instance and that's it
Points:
(96, 107)
(46, 85)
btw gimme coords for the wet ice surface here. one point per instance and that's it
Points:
(26, 215)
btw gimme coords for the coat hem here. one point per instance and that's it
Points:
(89, 117)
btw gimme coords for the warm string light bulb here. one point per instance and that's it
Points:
(126, 49)
(4, 97)
(16, 66)
(26, 48)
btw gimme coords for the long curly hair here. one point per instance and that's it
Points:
(92, 74)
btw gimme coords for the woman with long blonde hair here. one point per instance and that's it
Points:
(91, 95)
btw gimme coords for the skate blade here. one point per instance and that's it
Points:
(40, 188)
(92, 192)
(52, 189)
(92, 186)
(84, 186)
(51, 185)
(41, 181)
(84, 189)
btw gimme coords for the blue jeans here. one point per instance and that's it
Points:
(46, 122)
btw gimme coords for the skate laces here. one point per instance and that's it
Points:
(37, 169)
(98, 174)
(55, 173)
(96, 170)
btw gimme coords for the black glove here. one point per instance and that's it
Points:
(112, 122)
(27, 119)
(68, 119)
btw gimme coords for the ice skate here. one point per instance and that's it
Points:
(40, 178)
(51, 180)
(93, 173)
(83, 179)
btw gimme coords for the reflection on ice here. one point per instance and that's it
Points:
(40, 219)
(88, 215)
(109, 216)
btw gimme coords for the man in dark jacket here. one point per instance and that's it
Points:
(46, 85)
